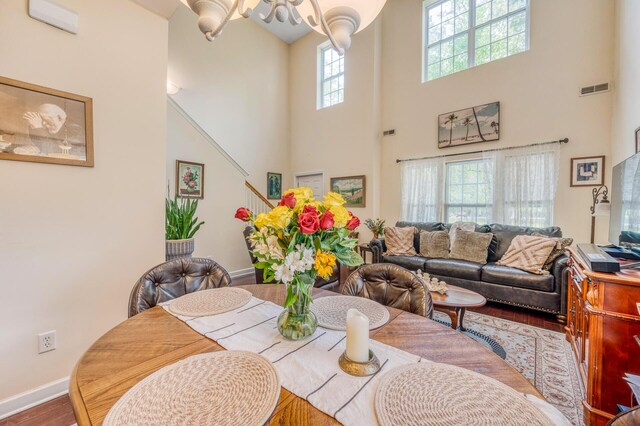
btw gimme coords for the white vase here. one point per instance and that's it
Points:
(177, 249)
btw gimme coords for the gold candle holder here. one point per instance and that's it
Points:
(359, 369)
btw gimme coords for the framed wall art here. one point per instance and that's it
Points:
(189, 179)
(471, 125)
(274, 186)
(44, 125)
(638, 140)
(352, 188)
(587, 171)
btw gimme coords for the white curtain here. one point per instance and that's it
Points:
(421, 190)
(524, 184)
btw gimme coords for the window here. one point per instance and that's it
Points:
(468, 191)
(330, 76)
(460, 34)
(513, 186)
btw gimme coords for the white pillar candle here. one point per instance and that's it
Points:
(357, 336)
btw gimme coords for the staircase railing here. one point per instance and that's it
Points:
(256, 202)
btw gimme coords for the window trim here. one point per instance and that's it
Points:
(445, 188)
(471, 33)
(321, 78)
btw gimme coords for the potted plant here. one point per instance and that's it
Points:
(181, 224)
(299, 240)
(376, 226)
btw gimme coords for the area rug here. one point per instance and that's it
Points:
(544, 357)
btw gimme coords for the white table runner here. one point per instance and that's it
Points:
(307, 368)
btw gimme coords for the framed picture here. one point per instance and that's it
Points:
(189, 179)
(274, 186)
(352, 188)
(587, 171)
(471, 125)
(638, 140)
(44, 125)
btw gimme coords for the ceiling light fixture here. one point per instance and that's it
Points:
(172, 89)
(340, 20)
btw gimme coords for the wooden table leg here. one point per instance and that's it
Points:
(461, 312)
(453, 315)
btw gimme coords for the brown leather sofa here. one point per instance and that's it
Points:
(390, 285)
(173, 279)
(333, 283)
(497, 283)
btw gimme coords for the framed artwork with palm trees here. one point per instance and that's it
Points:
(471, 125)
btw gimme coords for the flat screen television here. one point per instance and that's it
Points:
(624, 225)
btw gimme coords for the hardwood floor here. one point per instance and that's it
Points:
(58, 412)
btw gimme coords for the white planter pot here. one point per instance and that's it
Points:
(177, 249)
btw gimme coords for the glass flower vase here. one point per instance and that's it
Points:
(297, 322)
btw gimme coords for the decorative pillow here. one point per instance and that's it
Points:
(558, 250)
(399, 241)
(471, 246)
(528, 253)
(434, 244)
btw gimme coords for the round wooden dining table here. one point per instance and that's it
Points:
(154, 339)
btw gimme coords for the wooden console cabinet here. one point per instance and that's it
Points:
(601, 324)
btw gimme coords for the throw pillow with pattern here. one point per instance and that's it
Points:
(434, 244)
(558, 250)
(399, 241)
(470, 246)
(528, 253)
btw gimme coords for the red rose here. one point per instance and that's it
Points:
(310, 209)
(308, 220)
(353, 223)
(243, 214)
(326, 221)
(288, 200)
(192, 183)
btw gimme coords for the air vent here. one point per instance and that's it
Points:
(389, 132)
(592, 90)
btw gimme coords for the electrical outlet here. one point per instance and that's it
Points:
(46, 341)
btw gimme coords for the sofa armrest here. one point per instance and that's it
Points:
(560, 271)
(378, 247)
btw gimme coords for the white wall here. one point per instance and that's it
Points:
(538, 91)
(235, 88)
(571, 47)
(342, 140)
(224, 191)
(74, 240)
(626, 100)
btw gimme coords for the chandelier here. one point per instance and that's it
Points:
(337, 19)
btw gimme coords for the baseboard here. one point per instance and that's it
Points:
(241, 273)
(31, 398)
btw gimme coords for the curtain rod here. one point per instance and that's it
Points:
(561, 141)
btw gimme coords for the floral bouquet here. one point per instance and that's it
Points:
(298, 241)
(190, 179)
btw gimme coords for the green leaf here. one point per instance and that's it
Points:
(349, 258)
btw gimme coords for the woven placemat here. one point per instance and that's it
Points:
(210, 302)
(221, 388)
(440, 394)
(331, 311)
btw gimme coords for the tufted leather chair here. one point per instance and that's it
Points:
(173, 279)
(391, 285)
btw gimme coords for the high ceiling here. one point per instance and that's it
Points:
(284, 30)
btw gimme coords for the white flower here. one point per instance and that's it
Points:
(283, 274)
(274, 249)
(307, 259)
